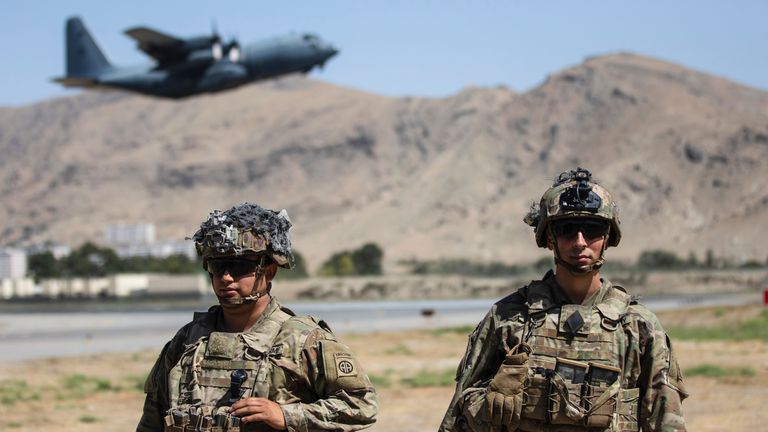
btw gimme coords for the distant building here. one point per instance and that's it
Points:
(130, 234)
(138, 240)
(158, 249)
(13, 263)
(58, 251)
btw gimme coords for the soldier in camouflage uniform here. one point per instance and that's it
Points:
(250, 364)
(571, 352)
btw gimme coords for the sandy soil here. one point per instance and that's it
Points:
(106, 396)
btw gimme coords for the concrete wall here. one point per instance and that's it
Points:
(161, 284)
(120, 285)
(20, 287)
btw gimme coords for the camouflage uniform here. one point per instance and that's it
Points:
(618, 332)
(294, 361)
(538, 362)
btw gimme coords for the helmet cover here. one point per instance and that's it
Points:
(245, 229)
(574, 195)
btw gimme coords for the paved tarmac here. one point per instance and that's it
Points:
(31, 335)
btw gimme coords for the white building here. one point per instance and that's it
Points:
(13, 264)
(131, 240)
(158, 249)
(130, 234)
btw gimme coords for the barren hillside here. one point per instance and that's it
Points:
(685, 153)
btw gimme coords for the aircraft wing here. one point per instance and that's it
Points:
(160, 46)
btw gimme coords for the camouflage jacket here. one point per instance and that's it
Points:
(617, 332)
(294, 361)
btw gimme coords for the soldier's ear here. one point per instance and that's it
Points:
(550, 243)
(270, 271)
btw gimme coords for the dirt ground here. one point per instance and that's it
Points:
(412, 372)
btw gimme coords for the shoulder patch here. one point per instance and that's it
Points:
(340, 368)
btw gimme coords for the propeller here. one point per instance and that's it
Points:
(232, 49)
(216, 49)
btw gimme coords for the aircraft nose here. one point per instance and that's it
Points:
(327, 48)
(331, 51)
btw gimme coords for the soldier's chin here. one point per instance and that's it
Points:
(583, 269)
(231, 300)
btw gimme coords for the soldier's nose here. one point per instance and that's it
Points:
(580, 240)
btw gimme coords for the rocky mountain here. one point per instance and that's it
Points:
(685, 154)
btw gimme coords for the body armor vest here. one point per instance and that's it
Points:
(575, 379)
(201, 383)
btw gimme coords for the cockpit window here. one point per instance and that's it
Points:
(311, 39)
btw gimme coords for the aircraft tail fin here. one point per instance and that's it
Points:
(84, 58)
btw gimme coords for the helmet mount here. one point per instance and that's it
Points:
(573, 195)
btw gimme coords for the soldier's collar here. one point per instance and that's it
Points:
(543, 296)
(272, 307)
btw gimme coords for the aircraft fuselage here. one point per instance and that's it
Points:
(258, 61)
(187, 67)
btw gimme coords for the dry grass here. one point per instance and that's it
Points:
(101, 392)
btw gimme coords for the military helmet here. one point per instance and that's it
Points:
(245, 229)
(574, 195)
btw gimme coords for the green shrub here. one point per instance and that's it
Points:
(380, 381)
(78, 386)
(360, 262)
(707, 370)
(13, 391)
(87, 418)
(463, 330)
(463, 267)
(399, 349)
(426, 378)
(299, 270)
(715, 371)
(753, 329)
(659, 259)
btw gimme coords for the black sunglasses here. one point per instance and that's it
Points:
(235, 267)
(569, 229)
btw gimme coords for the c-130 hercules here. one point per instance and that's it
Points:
(186, 67)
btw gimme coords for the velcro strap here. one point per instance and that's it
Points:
(222, 382)
(606, 396)
(228, 364)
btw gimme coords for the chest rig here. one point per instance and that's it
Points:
(217, 369)
(575, 378)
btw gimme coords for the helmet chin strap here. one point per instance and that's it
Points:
(254, 295)
(579, 270)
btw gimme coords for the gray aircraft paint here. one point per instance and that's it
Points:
(193, 65)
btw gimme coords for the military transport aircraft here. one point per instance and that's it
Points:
(186, 67)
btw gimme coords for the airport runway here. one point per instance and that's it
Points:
(47, 334)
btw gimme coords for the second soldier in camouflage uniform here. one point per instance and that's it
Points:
(571, 352)
(250, 364)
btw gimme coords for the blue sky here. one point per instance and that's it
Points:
(396, 48)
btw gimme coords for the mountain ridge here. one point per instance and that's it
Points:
(684, 152)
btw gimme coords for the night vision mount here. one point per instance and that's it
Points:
(580, 196)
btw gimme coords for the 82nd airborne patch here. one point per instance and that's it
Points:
(345, 366)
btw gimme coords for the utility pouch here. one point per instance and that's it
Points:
(565, 388)
(627, 410)
(536, 395)
(600, 392)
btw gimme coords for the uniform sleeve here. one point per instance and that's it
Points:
(661, 383)
(156, 388)
(347, 400)
(478, 366)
